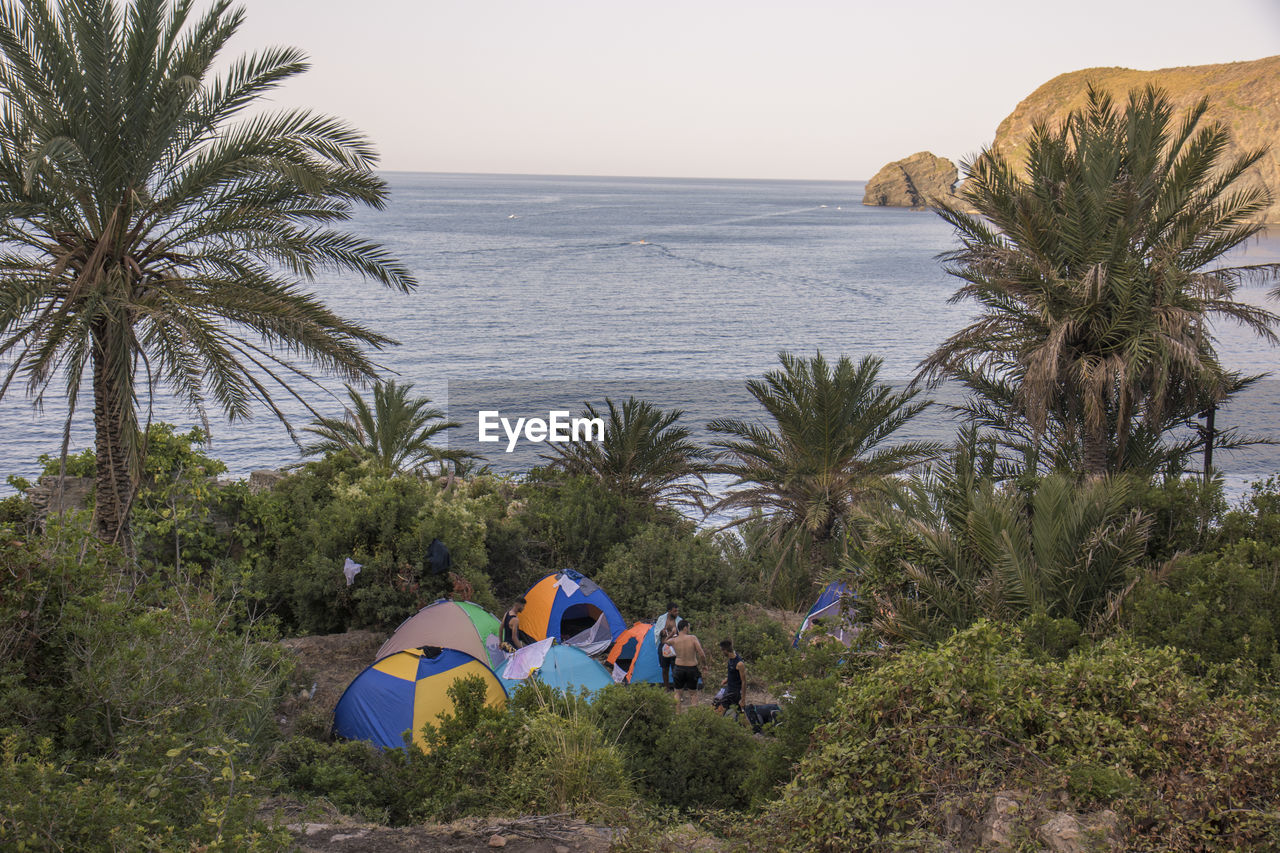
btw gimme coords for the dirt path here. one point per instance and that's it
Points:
(538, 836)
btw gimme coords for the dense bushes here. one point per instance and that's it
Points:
(1223, 607)
(916, 749)
(665, 561)
(141, 695)
(635, 718)
(480, 760)
(299, 535)
(135, 712)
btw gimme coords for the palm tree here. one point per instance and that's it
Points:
(157, 233)
(1094, 269)
(1058, 549)
(396, 432)
(644, 454)
(994, 407)
(825, 454)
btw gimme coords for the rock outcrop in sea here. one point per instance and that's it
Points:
(1244, 96)
(912, 182)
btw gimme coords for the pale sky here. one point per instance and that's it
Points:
(712, 88)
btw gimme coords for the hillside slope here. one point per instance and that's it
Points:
(1245, 96)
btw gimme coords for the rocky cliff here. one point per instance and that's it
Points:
(912, 181)
(1245, 96)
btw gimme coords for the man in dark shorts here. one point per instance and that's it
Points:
(666, 656)
(689, 656)
(735, 681)
(511, 627)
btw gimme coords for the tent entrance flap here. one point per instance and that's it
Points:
(595, 639)
(578, 618)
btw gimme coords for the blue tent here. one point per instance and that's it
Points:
(555, 665)
(571, 608)
(404, 691)
(835, 608)
(635, 652)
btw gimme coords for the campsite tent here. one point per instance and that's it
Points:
(555, 665)
(448, 624)
(404, 691)
(834, 608)
(635, 653)
(573, 610)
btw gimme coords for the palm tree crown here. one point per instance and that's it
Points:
(396, 432)
(1056, 549)
(826, 452)
(644, 453)
(1093, 269)
(155, 232)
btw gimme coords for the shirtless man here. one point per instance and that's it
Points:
(689, 656)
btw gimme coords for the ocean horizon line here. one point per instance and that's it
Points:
(589, 177)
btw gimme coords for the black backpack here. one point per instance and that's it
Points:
(761, 715)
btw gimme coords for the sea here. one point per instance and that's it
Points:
(543, 293)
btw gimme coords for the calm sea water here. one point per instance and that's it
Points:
(637, 283)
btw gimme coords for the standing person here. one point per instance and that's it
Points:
(735, 680)
(689, 656)
(666, 654)
(511, 627)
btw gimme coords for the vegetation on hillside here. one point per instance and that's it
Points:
(1080, 637)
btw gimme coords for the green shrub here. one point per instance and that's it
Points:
(140, 711)
(922, 743)
(707, 759)
(298, 536)
(792, 666)
(357, 777)
(470, 756)
(561, 521)
(1223, 607)
(661, 563)
(566, 764)
(1045, 636)
(468, 768)
(755, 634)
(1258, 515)
(811, 703)
(1185, 514)
(635, 718)
(141, 798)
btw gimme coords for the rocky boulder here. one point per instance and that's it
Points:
(913, 181)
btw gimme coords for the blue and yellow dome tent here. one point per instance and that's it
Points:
(556, 665)
(461, 625)
(635, 652)
(404, 691)
(573, 609)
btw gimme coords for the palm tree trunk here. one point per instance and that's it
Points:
(114, 469)
(1095, 454)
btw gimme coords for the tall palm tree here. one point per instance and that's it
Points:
(156, 232)
(644, 454)
(1096, 272)
(826, 452)
(395, 432)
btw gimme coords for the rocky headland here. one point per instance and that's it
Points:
(1244, 96)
